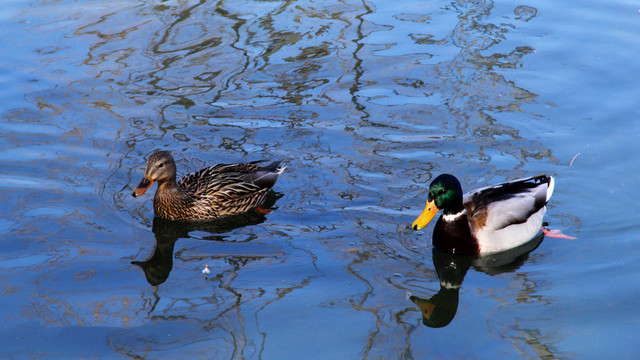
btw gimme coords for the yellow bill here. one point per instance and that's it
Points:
(427, 214)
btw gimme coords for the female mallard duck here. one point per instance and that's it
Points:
(486, 220)
(218, 190)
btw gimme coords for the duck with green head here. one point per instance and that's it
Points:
(487, 220)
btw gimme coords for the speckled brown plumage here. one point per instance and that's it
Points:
(215, 191)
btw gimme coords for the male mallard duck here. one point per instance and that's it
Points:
(486, 220)
(218, 190)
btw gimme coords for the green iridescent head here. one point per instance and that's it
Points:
(446, 193)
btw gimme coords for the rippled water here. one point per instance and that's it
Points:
(365, 102)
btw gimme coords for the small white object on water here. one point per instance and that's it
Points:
(206, 270)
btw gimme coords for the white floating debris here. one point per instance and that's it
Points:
(206, 270)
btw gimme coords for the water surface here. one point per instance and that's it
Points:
(366, 102)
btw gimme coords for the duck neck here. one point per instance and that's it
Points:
(453, 216)
(454, 210)
(169, 184)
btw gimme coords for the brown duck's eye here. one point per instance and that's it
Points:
(160, 165)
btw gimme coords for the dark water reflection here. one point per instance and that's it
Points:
(365, 102)
(158, 266)
(441, 308)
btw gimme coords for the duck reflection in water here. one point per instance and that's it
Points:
(439, 310)
(158, 266)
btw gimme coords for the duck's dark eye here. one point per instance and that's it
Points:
(160, 165)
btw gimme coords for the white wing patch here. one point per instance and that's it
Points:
(508, 216)
(515, 210)
(491, 240)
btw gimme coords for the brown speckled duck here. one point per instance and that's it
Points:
(215, 191)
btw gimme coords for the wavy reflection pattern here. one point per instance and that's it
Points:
(364, 100)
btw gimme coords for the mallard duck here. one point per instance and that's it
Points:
(215, 191)
(486, 220)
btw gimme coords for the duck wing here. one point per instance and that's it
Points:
(249, 177)
(265, 176)
(514, 202)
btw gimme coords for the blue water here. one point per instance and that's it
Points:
(366, 102)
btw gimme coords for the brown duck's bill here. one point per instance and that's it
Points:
(142, 187)
(427, 215)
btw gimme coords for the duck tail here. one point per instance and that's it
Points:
(550, 187)
(275, 167)
(267, 176)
